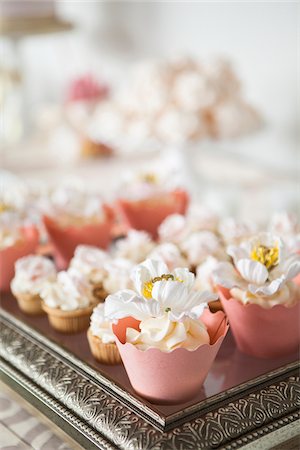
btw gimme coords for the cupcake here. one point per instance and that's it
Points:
(204, 280)
(136, 246)
(117, 276)
(68, 302)
(260, 297)
(234, 231)
(73, 217)
(102, 339)
(147, 199)
(162, 324)
(170, 254)
(16, 240)
(18, 236)
(90, 261)
(199, 245)
(31, 273)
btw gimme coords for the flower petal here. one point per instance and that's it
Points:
(252, 271)
(236, 253)
(126, 303)
(291, 266)
(225, 275)
(267, 289)
(145, 271)
(185, 276)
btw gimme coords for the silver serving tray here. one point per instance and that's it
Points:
(243, 398)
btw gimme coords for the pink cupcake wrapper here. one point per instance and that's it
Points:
(261, 332)
(148, 214)
(10, 255)
(173, 377)
(65, 239)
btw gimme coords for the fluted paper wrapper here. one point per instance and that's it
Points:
(173, 377)
(261, 332)
(30, 304)
(69, 322)
(148, 214)
(9, 255)
(65, 239)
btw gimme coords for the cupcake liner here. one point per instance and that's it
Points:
(65, 239)
(9, 255)
(173, 377)
(30, 303)
(148, 214)
(297, 279)
(69, 322)
(104, 353)
(261, 332)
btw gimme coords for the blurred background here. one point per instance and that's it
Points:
(50, 51)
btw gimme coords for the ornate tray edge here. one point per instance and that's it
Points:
(104, 415)
(129, 400)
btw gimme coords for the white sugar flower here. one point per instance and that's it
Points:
(158, 292)
(288, 228)
(260, 267)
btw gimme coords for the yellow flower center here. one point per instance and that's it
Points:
(148, 286)
(5, 207)
(150, 178)
(268, 256)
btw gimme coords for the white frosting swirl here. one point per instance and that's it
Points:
(31, 274)
(10, 229)
(170, 254)
(135, 247)
(165, 335)
(69, 292)
(288, 295)
(91, 262)
(118, 275)
(198, 246)
(173, 229)
(100, 327)
(204, 275)
(234, 231)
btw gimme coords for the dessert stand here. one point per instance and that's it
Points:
(243, 400)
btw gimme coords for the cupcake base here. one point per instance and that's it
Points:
(104, 353)
(69, 321)
(30, 304)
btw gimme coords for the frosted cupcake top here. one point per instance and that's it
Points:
(148, 183)
(287, 227)
(91, 262)
(31, 274)
(70, 291)
(136, 246)
(166, 305)
(198, 246)
(262, 270)
(170, 254)
(165, 335)
(72, 206)
(234, 231)
(100, 327)
(117, 275)
(10, 230)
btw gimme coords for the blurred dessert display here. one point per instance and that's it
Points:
(177, 102)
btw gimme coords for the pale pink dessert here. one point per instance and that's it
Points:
(147, 200)
(163, 324)
(73, 217)
(260, 296)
